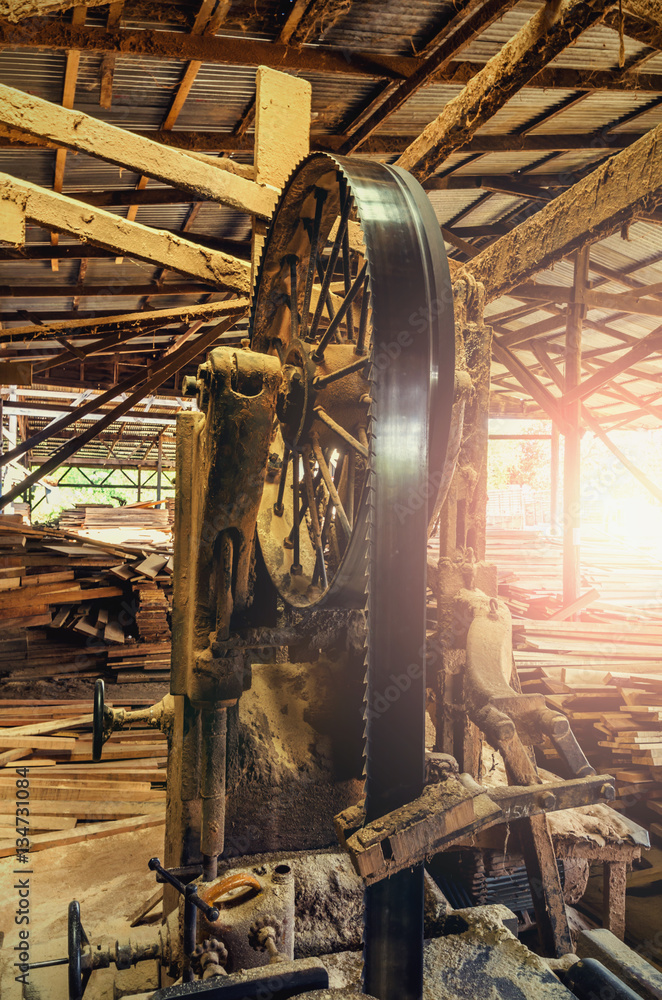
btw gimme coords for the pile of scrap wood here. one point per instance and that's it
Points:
(74, 517)
(617, 582)
(71, 799)
(73, 606)
(129, 516)
(603, 670)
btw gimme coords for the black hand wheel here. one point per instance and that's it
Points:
(97, 720)
(77, 938)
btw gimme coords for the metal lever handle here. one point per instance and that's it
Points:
(210, 912)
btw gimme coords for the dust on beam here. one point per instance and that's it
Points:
(627, 186)
(549, 32)
(84, 134)
(58, 213)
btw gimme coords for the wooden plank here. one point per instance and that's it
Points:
(137, 915)
(38, 824)
(11, 741)
(90, 809)
(75, 130)
(86, 832)
(41, 728)
(10, 755)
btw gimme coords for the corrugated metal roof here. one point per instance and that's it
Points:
(594, 112)
(389, 26)
(143, 89)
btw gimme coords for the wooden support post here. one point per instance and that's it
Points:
(572, 450)
(282, 135)
(545, 883)
(613, 897)
(139, 484)
(554, 482)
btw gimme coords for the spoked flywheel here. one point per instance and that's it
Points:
(318, 292)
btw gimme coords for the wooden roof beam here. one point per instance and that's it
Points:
(107, 289)
(217, 49)
(75, 130)
(533, 386)
(542, 38)
(20, 10)
(139, 321)
(626, 186)
(205, 142)
(20, 200)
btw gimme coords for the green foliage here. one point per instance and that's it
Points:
(521, 463)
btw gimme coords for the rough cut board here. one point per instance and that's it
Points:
(88, 831)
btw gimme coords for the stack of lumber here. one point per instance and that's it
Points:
(617, 582)
(71, 799)
(67, 601)
(74, 517)
(19, 512)
(130, 516)
(152, 613)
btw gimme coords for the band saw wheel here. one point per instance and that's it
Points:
(339, 244)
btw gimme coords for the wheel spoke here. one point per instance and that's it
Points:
(278, 506)
(350, 480)
(320, 196)
(331, 487)
(293, 260)
(323, 380)
(323, 417)
(320, 274)
(331, 265)
(318, 353)
(363, 321)
(312, 507)
(296, 563)
(347, 274)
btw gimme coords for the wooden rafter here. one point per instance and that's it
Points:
(20, 200)
(165, 370)
(628, 185)
(75, 130)
(542, 38)
(20, 10)
(469, 21)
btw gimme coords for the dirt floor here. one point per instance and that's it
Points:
(109, 878)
